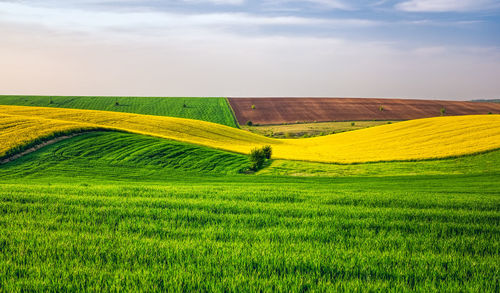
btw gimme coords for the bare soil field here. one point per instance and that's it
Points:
(295, 110)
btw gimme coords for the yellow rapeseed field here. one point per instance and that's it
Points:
(16, 131)
(411, 140)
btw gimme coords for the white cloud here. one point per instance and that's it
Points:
(447, 5)
(145, 22)
(217, 2)
(332, 4)
(323, 4)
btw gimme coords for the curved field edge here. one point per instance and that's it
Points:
(27, 149)
(213, 109)
(37, 142)
(122, 155)
(19, 133)
(429, 138)
(131, 156)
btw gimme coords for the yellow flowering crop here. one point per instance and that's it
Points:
(16, 131)
(410, 140)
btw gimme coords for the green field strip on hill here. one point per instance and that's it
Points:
(488, 162)
(232, 113)
(215, 110)
(122, 155)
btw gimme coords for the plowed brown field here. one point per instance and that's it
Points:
(292, 110)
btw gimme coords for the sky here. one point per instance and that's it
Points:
(424, 49)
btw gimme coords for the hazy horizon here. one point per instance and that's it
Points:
(257, 97)
(419, 49)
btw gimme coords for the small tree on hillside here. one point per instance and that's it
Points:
(443, 111)
(268, 151)
(249, 123)
(257, 158)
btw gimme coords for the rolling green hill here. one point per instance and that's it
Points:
(215, 110)
(122, 155)
(107, 211)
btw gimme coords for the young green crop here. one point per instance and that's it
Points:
(488, 162)
(251, 234)
(215, 110)
(123, 155)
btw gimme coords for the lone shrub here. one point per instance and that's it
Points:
(353, 123)
(249, 123)
(257, 158)
(443, 111)
(381, 108)
(268, 151)
(253, 107)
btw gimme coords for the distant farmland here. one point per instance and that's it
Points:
(293, 110)
(208, 109)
